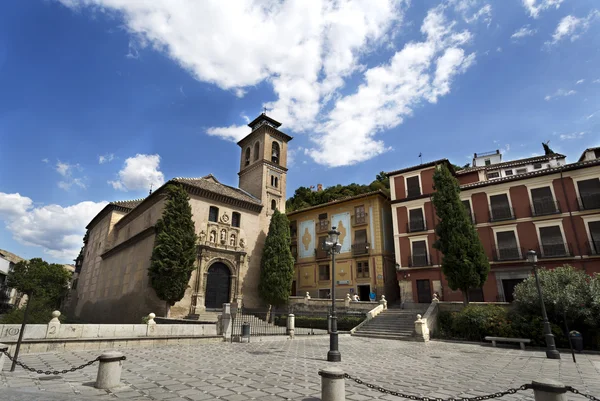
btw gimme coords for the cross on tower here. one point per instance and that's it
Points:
(264, 110)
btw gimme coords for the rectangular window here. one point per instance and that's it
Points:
(488, 162)
(416, 220)
(467, 205)
(325, 294)
(324, 273)
(597, 153)
(507, 246)
(323, 225)
(213, 214)
(293, 229)
(589, 192)
(594, 247)
(553, 244)
(362, 269)
(321, 252)
(500, 208)
(521, 170)
(542, 201)
(537, 166)
(413, 187)
(495, 174)
(419, 254)
(508, 172)
(235, 219)
(360, 217)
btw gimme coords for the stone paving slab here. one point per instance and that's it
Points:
(273, 369)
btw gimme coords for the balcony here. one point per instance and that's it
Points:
(321, 254)
(589, 201)
(359, 220)
(544, 207)
(322, 226)
(500, 213)
(593, 247)
(554, 250)
(419, 261)
(361, 248)
(414, 226)
(413, 192)
(503, 254)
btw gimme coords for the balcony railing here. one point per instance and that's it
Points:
(323, 226)
(419, 261)
(554, 250)
(589, 201)
(359, 220)
(507, 253)
(414, 226)
(361, 248)
(544, 207)
(500, 213)
(593, 247)
(321, 254)
(413, 192)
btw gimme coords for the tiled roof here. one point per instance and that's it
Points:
(512, 163)
(11, 257)
(417, 167)
(209, 183)
(340, 200)
(129, 204)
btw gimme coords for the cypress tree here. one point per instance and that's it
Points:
(277, 263)
(174, 250)
(464, 262)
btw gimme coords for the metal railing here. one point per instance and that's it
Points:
(413, 192)
(419, 261)
(500, 213)
(544, 207)
(589, 201)
(554, 250)
(508, 253)
(414, 226)
(593, 247)
(361, 248)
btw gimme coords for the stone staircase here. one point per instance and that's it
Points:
(208, 317)
(393, 323)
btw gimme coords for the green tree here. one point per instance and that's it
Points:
(40, 279)
(464, 262)
(174, 250)
(277, 263)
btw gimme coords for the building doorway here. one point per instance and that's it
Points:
(218, 285)
(508, 286)
(423, 292)
(293, 292)
(363, 292)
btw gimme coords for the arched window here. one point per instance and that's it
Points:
(232, 240)
(272, 180)
(275, 153)
(276, 182)
(273, 204)
(256, 150)
(247, 158)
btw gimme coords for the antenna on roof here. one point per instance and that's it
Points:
(421, 157)
(264, 110)
(150, 190)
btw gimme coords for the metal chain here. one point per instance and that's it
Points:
(575, 391)
(51, 372)
(417, 398)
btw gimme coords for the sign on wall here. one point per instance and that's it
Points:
(342, 223)
(307, 239)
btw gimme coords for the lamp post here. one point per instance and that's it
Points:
(551, 351)
(331, 244)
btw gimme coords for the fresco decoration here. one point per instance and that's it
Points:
(341, 222)
(307, 237)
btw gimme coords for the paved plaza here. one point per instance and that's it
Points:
(279, 369)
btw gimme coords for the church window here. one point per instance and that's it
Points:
(273, 204)
(232, 240)
(235, 219)
(247, 158)
(256, 150)
(276, 182)
(213, 214)
(275, 153)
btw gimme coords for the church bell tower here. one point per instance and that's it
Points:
(263, 163)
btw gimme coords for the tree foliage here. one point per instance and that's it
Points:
(174, 250)
(277, 263)
(306, 197)
(464, 262)
(40, 279)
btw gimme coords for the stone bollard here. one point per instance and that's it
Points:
(226, 322)
(150, 325)
(3, 347)
(291, 325)
(109, 370)
(151, 317)
(548, 390)
(383, 302)
(53, 325)
(421, 329)
(332, 384)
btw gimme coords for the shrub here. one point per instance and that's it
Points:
(477, 321)
(39, 313)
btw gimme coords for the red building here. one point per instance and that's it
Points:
(539, 203)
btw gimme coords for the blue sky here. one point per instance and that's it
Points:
(99, 99)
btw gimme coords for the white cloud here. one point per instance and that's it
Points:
(572, 135)
(232, 133)
(107, 158)
(139, 173)
(57, 230)
(593, 114)
(499, 49)
(45, 160)
(66, 170)
(560, 93)
(535, 7)
(523, 32)
(572, 27)
(580, 81)
(596, 81)
(484, 13)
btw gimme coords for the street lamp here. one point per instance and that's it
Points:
(331, 244)
(551, 351)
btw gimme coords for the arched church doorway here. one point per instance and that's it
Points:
(217, 286)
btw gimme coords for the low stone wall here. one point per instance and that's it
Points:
(305, 304)
(458, 306)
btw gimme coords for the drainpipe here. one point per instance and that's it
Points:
(571, 219)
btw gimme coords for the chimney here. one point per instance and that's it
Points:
(319, 187)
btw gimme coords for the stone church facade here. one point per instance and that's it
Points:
(232, 223)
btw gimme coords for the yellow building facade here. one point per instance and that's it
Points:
(365, 265)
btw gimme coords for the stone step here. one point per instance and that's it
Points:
(383, 336)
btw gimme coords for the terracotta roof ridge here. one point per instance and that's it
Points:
(510, 162)
(342, 199)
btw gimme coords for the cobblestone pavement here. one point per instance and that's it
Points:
(277, 369)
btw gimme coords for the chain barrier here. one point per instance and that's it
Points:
(51, 372)
(588, 396)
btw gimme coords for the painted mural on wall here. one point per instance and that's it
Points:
(341, 222)
(306, 248)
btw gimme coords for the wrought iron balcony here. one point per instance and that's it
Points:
(554, 250)
(360, 248)
(544, 207)
(419, 261)
(502, 254)
(500, 213)
(414, 226)
(593, 247)
(589, 201)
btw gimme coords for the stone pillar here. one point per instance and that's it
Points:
(226, 321)
(383, 302)
(421, 329)
(548, 390)
(347, 301)
(53, 325)
(109, 370)
(291, 325)
(3, 347)
(150, 325)
(332, 384)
